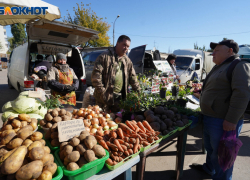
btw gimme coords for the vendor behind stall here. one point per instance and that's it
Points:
(171, 60)
(62, 80)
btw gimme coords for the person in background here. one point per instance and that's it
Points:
(113, 72)
(171, 60)
(62, 80)
(223, 104)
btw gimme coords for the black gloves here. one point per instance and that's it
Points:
(69, 88)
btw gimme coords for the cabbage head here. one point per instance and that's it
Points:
(7, 106)
(24, 105)
(37, 116)
(9, 113)
(41, 112)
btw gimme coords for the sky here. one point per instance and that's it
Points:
(168, 25)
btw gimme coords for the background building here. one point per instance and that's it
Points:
(4, 42)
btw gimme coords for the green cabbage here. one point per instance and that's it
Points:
(7, 106)
(24, 105)
(9, 113)
(41, 112)
(37, 116)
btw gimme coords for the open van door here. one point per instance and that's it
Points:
(137, 57)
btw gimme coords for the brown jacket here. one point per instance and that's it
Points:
(223, 100)
(103, 77)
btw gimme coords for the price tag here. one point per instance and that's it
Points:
(35, 94)
(69, 129)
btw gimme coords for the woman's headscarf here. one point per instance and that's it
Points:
(171, 57)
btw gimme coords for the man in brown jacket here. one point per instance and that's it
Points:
(113, 72)
(223, 103)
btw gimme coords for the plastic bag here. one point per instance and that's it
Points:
(88, 98)
(228, 149)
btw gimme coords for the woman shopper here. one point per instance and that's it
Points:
(171, 60)
(62, 80)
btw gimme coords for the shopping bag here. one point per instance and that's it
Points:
(228, 149)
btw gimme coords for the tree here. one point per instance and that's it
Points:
(87, 18)
(19, 35)
(197, 47)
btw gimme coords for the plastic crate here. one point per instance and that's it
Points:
(150, 145)
(169, 134)
(52, 148)
(122, 162)
(85, 171)
(58, 174)
(188, 124)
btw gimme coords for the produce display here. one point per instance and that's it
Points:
(23, 153)
(163, 119)
(126, 140)
(24, 104)
(80, 150)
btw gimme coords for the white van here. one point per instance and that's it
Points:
(48, 38)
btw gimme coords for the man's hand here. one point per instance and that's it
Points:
(177, 77)
(227, 126)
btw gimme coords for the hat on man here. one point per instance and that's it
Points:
(60, 56)
(229, 43)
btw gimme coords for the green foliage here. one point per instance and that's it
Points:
(51, 103)
(86, 17)
(187, 111)
(168, 93)
(19, 35)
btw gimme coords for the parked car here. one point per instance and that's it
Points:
(143, 61)
(48, 38)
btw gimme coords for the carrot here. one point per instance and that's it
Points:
(127, 144)
(141, 131)
(99, 133)
(120, 133)
(126, 139)
(103, 144)
(125, 134)
(131, 146)
(147, 126)
(130, 125)
(125, 128)
(156, 138)
(123, 156)
(98, 138)
(150, 139)
(120, 153)
(130, 151)
(113, 134)
(109, 162)
(115, 153)
(111, 139)
(133, 121)
(126, 153)
(135, 148)
(157, 133)
(139, 147)
(124, 148)
(112, 146)
(132, 140)
(145, 143)
(120, 159)
(121, 141)
(115, 163)
(143, 135)
(116, 142)
(140, 125)
(135, 126)
(106, 132)
(136, 136)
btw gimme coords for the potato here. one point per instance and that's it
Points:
(6, 155)
(25, 128)
(34, 125)
(74, 142)
(16, 124)
(50, 110)
(54, 135)
(36, 136)
(27, 142)
(3, 150)
(47, 159)
(46, 175)
(24, 123)
(72, 166)
(29, 171)
(69, 114)
(55, 142)
(8, 138)
(46, 149)
(52, 167)
(8, 127)
(47, 134)
(34, 120)
(24, 117)
(99, 151)
(82, 161)
(54, 113)
(49, 125)
(67, 150)
(16, 130)
(48, 117)
(89, 155)
(57, 119)
(58, 109)
(81, 148)
(90, 141)
(6, 132)
(24, 134)
(83, 135)
(14, 161)
(61, 155)
(65, 118)
(42, 122)
(35, 144)
(15, 143)
(74, 156)
(36, 153)
(42, 141)
(63, 145)
(62, 112)
(54, 128)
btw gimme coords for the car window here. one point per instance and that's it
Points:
(193, 65)
(89, 58)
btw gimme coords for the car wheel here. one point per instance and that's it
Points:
(9, 85)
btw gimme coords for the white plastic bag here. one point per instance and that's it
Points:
(88, 98)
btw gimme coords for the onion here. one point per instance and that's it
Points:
(112, 124)
(94, 121)
(87, 129)
(109, 119)
(107, 116)
(93, 130)
(100, 128)
(89, 117)
(100, 115)
(118, 120)
(86, 123)
(80, 113)
(97, 111)
(92, 113)
(96, 126)
(104, 124)
(106, 128)
(74, 111)
(102, 120)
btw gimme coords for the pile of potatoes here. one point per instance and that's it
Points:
(95, 119)
(50, 121)
(80, 150)
(17, 123)
(25, 156)
(163, 119)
